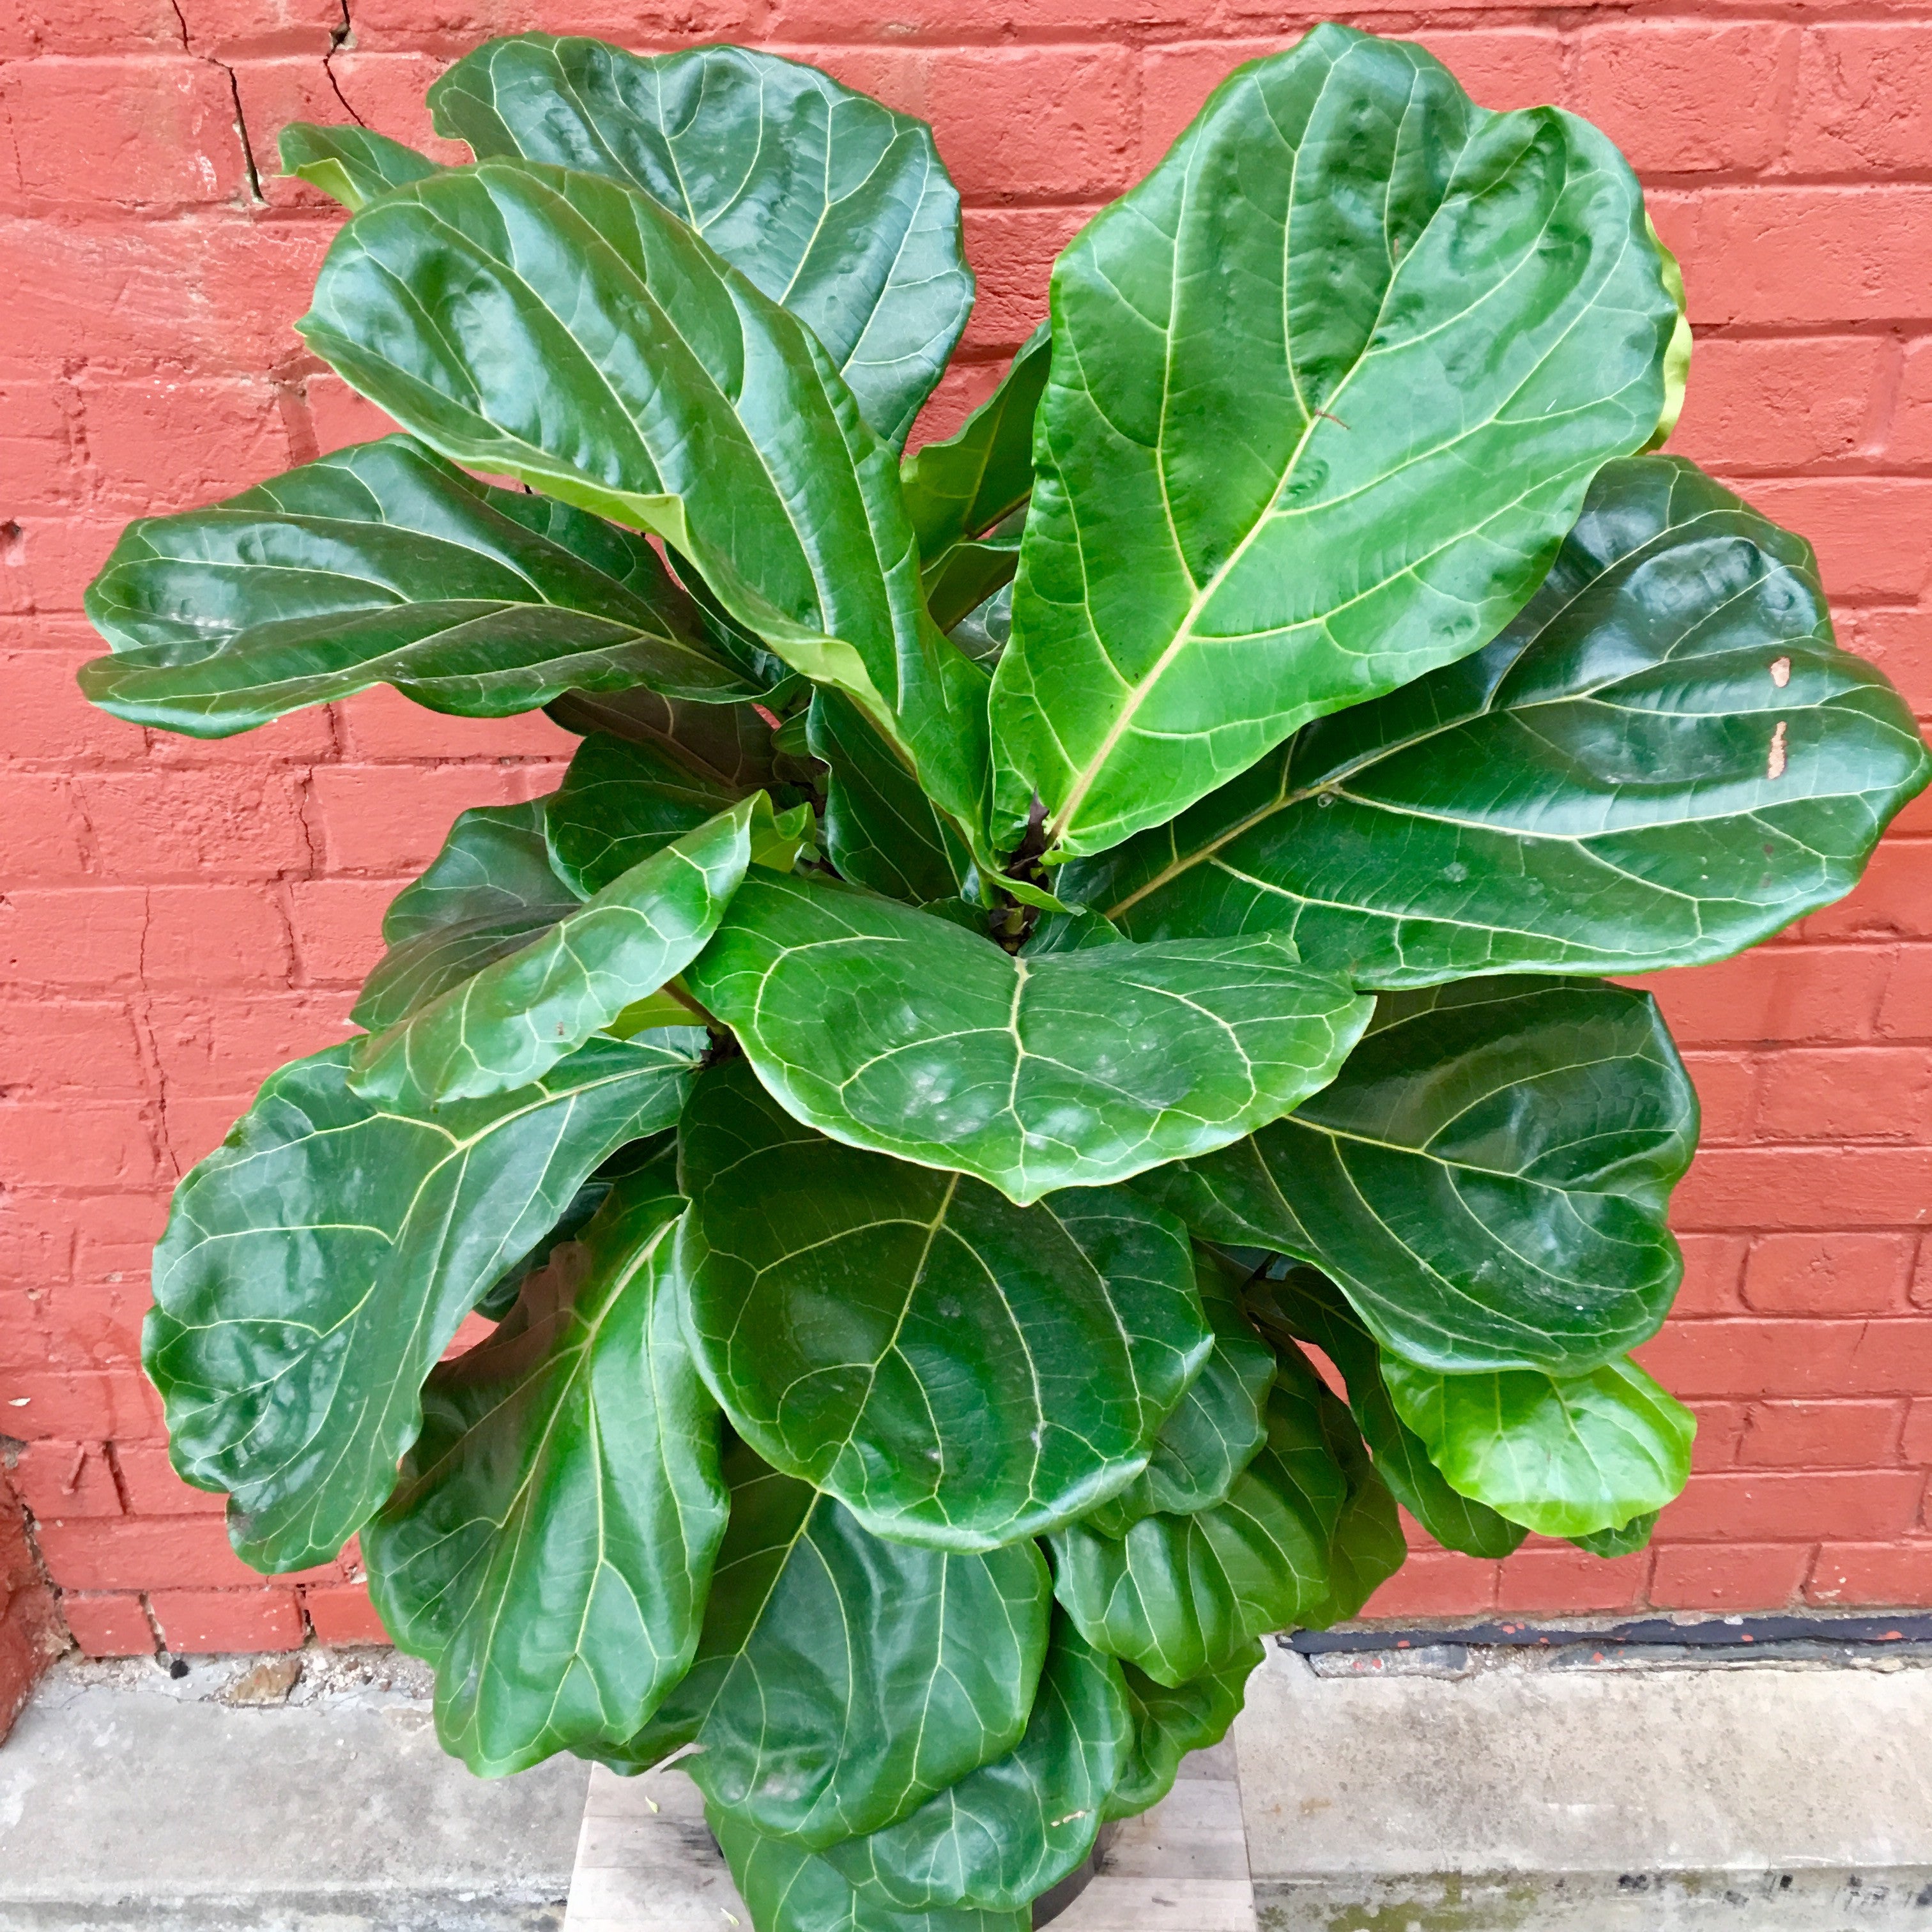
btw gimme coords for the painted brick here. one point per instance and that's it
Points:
(1862, 553)
(151, 1553)
(341, 1613)
(108, 1625)
(1651, 85)
(232, 1042)
(42, 828)
(1011, 250)
(1893, 901)
(338, 926)
(107, 1145)
(105, 26)
(1763, 1505)
(87, 937)
(1781, 403)
(1441, 1584)
(1555, 1577)
(1863, 99)
(87, 1047)
(199, 1622)
(1828, 1274)
(177, 824)
(45, 719)
(163, 442)
(1806, 1187)
(391, 820)
(1739, 1576)
(1905, 1011)
(1846, 1094)
(338, 416)
(1775, 995)
(1915, 1444)
(207, 936)
(153, 1488)
(1818, 1435)
(382, 724)
(65, 1479)
(196, 1124)
(1899, 641)
(1727, 1085)
(1908, 435)
(1768, 1357)
(1894, 1574)
(1713, 1268)
(1720, 1428)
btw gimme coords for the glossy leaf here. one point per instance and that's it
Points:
(603, 354)
(827, 201)
(317, 1264)
(353, 164)
(383, 564)
(789, 1889)
(725, 744)
(1663, 760)
(1486, 1179)
(1626, 1541)
(862, 1321)
(1368, 1546)
(1216, 1430)
(1181, 1595)
(1303, 1305)
(1170, 1722)
(1565, 1456)
(841, 1681)
(621, 803)
(550, 1546)
(891, 1029)
(1006, 1833)
(1328, 388)
(511, 1022)
(881, 831)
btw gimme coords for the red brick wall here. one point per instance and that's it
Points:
(178, 918)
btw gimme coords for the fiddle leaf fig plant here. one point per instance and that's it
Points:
(1048, 1062)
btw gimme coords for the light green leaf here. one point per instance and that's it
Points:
(1565, 1456)
(549, 1548)
(383, 565)
(602, 353)
(1217, 1429)
(1677, 358)
(827, 201)
(841, 1681)
(1169, 1723)
(1328, 388)
(511, 1022)
(957, 1371)
(1663, 760)
(1181, 1595)
(1486, 1179)
(353, 164)
(1006, 1833)
(889, 1029)
(317, 1264)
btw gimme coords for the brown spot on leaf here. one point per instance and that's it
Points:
(1774, 767)
(1781, 672)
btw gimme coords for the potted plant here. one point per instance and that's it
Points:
(1037, 937)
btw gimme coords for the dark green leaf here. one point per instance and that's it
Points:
(1663, 760)
(957, 1371)
(1368, 1546)
(1169, 1723)
(621, 803)
(1566, 1456)
(1327, 389)
(889, 1029)
(509, 1024)
(1007, 1832)
(881, 831)
(984, 633)
(1626, 1541)
(1218, 1428)
(383, 565)
(828, 202)
(317, 1264)
(601, 353)
(788, 1889)
(1486, 1178)
(725, 744)
(353, 164)
(549, 1546)
(1302, 1304)
(1180, 1595)
(841, 1681)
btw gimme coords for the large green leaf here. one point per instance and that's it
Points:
(353, 164)
(1007, 1832)
(1663, 760)
(510, 1023)
(841, 1681)
(1301, 1304)
(890, 1029)
(564, 330)
(1180, 1595)
(549, 1546)
(957, 490)
(622, 802)
(725, 744)
(957, 1371)
(1169, 1722)
(1564, 1455)
(317, 1264)
(790, 1888)
(828, 202)
(383, 564)
(1216, 1430)
(1327, 389)
(881, 831)
(1368, 1546)
(490, 891)
(1486, 1178)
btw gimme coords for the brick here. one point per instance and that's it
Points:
(1769, 1357)
(1012, 251)
(1821, 1435)
(1779, 404)
(103, 26)
(153, 1488)
(1862, 526)
(341, 1613)
(65, 1479)
(108, 1625)
(48, 556)
(382, 724)
(43, 827)
(1921, 1275)
(1893, 901)
(1727, 1085)
(151, 1553)
(88, 1048)
(1847, 1093)
(196, 1124)
(206, 936)
(1915, 1444)
(1554, 1580)
(1908, 437)
(1828, 1274)
(45, 719)
(338, 416)
(1806, 1187)
(1435, 1584)
(1773, 994)
(164, 443)
(97, 1323)
(1759, 1505)
(1737, 1576)
(1896, 1575)
(1713, 1268)
(87, 936)
(104, 1145)
(634, 22)
(952, 21)
(1905, 1011)
(144, 823)
(201, 1622)
(393, 819)
(1899, 641)
(1720, 1427)
(338, 926)
(1863, 101)
(230, 1044)
(1690, 96)
(96, 1405)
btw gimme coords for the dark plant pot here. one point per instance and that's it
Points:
(1049, 1905)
